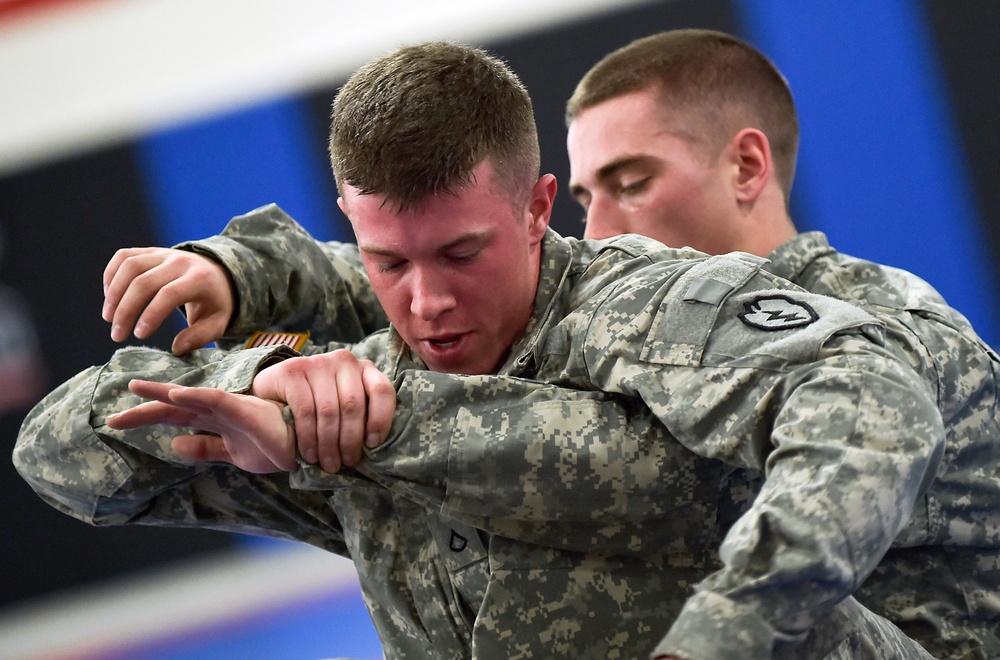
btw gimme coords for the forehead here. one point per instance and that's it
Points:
(629, 126)
(633, 112)
(477, 208)
(627, 122)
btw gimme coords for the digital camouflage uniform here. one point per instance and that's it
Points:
(691, 378)
(941, 581)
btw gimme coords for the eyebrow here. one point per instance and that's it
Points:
(609, 170)
(460, 240)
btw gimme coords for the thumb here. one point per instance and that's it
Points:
(200, 333)
(201, 448)
(267, 386)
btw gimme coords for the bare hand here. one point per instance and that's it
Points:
(339, 402)
(252, 434)
(142, 286)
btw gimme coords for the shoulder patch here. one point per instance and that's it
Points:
(777, 312)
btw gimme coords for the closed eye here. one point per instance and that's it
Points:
(463, 259)
(634, 187)
(390, 267)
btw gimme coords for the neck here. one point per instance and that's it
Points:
(766, 225)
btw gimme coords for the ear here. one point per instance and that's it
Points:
(539, 210)
(751, 153)
(342, 205)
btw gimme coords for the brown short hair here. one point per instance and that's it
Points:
(416, 122)
(716, 83)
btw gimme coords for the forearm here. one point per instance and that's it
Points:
(74, 460)
(575, 470)
(104, 476)
(286, 278)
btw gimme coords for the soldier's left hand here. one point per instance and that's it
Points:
(250, 432)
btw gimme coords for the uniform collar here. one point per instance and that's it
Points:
(554, 270)
(792, 257)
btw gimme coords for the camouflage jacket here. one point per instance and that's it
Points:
(955, 529)
(954, 532)
(719, 373)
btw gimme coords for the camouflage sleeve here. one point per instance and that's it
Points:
(574, 470)
(285, 279)
(853, 445)
(102, 476)
(795, 386)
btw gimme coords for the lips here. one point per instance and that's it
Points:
(444, 342)
(444, 350)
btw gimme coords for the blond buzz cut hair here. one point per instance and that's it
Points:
(711, 84)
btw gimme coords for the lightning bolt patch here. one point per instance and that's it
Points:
(777, 312)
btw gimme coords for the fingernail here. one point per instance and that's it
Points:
(311, 456)
(116, 332)
(105, 311)
(372, 441)
(141, 329)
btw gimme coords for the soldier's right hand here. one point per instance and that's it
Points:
(340, 404)
(142, 286)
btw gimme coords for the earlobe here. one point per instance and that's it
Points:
(342, 205)
(754, 166)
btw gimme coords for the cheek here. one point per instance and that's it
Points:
(393, 298)
(685, 200)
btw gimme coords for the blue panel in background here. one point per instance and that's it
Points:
(201, 174)
(338, 623)
(880, 164)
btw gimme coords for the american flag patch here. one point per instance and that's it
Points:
(293, 340)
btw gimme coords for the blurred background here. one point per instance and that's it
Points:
(147, 122)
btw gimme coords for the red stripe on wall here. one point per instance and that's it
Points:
(17, 9)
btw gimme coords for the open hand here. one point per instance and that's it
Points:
(250, 432)
(142, 286)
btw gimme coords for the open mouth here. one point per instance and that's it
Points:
(444, 341)
(444, 347)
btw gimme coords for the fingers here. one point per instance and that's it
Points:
(152, 412)
(293, 382)
(252, 431)
(353, 405)
(130, 283)
(161, 410)
(114, 265)
(149, 389)
(381, 405)
(143, 286)
(338, 402)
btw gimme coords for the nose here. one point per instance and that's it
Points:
(604, 219)
(430, 295)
